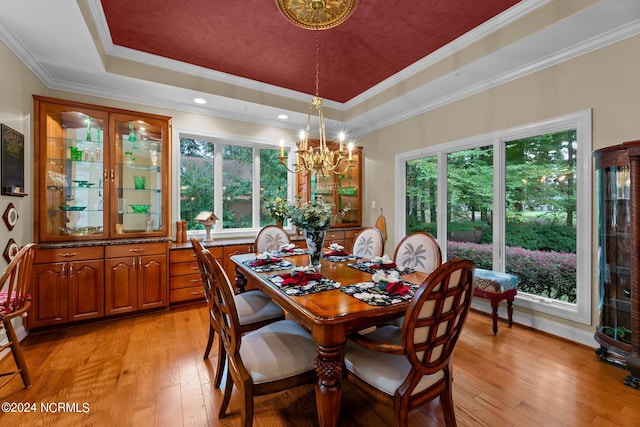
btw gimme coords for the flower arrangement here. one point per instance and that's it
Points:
(277, 208)
(315, 215)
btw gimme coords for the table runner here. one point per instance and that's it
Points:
(312, 286)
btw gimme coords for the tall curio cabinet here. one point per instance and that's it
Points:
(100, 212)
(101, 173)
(618, 331)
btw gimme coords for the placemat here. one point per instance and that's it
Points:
(370, 293)
(340, 258)
(369, 267)
(312, 286)
(280, 253)
(274, 266)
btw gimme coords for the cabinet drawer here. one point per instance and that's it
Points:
(186, 294)
(182, 268)
(178, 282)
(118, 251)
(182, 255)
(334, 235)
(69, 254)
(352, 234)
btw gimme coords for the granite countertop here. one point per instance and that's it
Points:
(105, 242)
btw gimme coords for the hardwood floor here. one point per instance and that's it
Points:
(149, 371)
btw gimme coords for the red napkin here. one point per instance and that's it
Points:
(390, 265)
(259, 262)
(288, 250)
(337, 253)
(299, 278)
(398, 288)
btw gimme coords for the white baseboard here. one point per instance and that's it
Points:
(540, 323)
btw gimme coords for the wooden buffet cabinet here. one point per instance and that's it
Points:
(101, 188)
(618, 331)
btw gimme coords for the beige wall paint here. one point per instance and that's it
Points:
(605, 81)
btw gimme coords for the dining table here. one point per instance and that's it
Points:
(330, 315)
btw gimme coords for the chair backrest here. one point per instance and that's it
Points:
(434, 319)
(206, 277)
(369, 243)
(14, 283)
(420, 251)
(224, 307)
(271, 238)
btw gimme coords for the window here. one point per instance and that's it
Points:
(510, 202)
(231, 179)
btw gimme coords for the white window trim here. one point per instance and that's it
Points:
(581, 121)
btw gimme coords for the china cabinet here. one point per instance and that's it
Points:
(101, 189)
(618, 331)
(342, 189)
(100, 172)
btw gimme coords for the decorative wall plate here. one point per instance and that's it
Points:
(11, 250)
(10, 216)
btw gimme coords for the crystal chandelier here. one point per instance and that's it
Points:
(311, 156)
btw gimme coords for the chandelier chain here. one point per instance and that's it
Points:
(317, 63)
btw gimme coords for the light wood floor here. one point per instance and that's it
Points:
(149, 371)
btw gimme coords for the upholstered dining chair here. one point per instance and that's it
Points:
(369, 243)
(271, 238)
(406, 367)
(255, 310)
(274, 358)
(418, 250)
(14, 302)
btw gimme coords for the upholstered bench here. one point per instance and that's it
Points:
(496, 287)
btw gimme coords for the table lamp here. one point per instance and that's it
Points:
(207, 219)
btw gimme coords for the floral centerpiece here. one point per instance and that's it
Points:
(278, 209)
(314, 218)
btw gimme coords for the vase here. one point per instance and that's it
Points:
(315, 241)
(280, 224)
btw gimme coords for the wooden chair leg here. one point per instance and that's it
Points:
(222, 359)
(16, 351)
(228, 388)
(494, 315)
(510, 311)
(246, 414)
(212, 333)
(446, 401)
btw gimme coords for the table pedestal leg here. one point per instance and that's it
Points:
(328, 387)
(240, 282)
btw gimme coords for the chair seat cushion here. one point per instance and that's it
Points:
(279, 350)
(384, 371)
(255, 306)
(7, 305)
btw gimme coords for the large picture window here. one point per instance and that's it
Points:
(510, 202)
(231, 179)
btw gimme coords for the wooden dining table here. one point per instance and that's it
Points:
(330, 316)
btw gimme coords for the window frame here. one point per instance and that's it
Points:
(581, 121)
(219, 140)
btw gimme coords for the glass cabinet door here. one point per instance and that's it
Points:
(615, 256)
(72, 172)
(138, 175)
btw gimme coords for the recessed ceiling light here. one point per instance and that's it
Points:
(200, 101)
(283, 116)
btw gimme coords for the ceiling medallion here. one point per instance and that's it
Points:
(316, 14)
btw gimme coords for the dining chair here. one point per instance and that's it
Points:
(271, 238)
(407, 367)
(418, 250)
(14, 302)
(255, 310)
(276, 357)
(369, 243)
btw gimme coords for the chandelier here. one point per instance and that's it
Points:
(311, 156)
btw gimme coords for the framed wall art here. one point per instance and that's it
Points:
(11, 250)
(12, 170)
(10, 216)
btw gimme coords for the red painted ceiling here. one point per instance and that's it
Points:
(252, 39)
